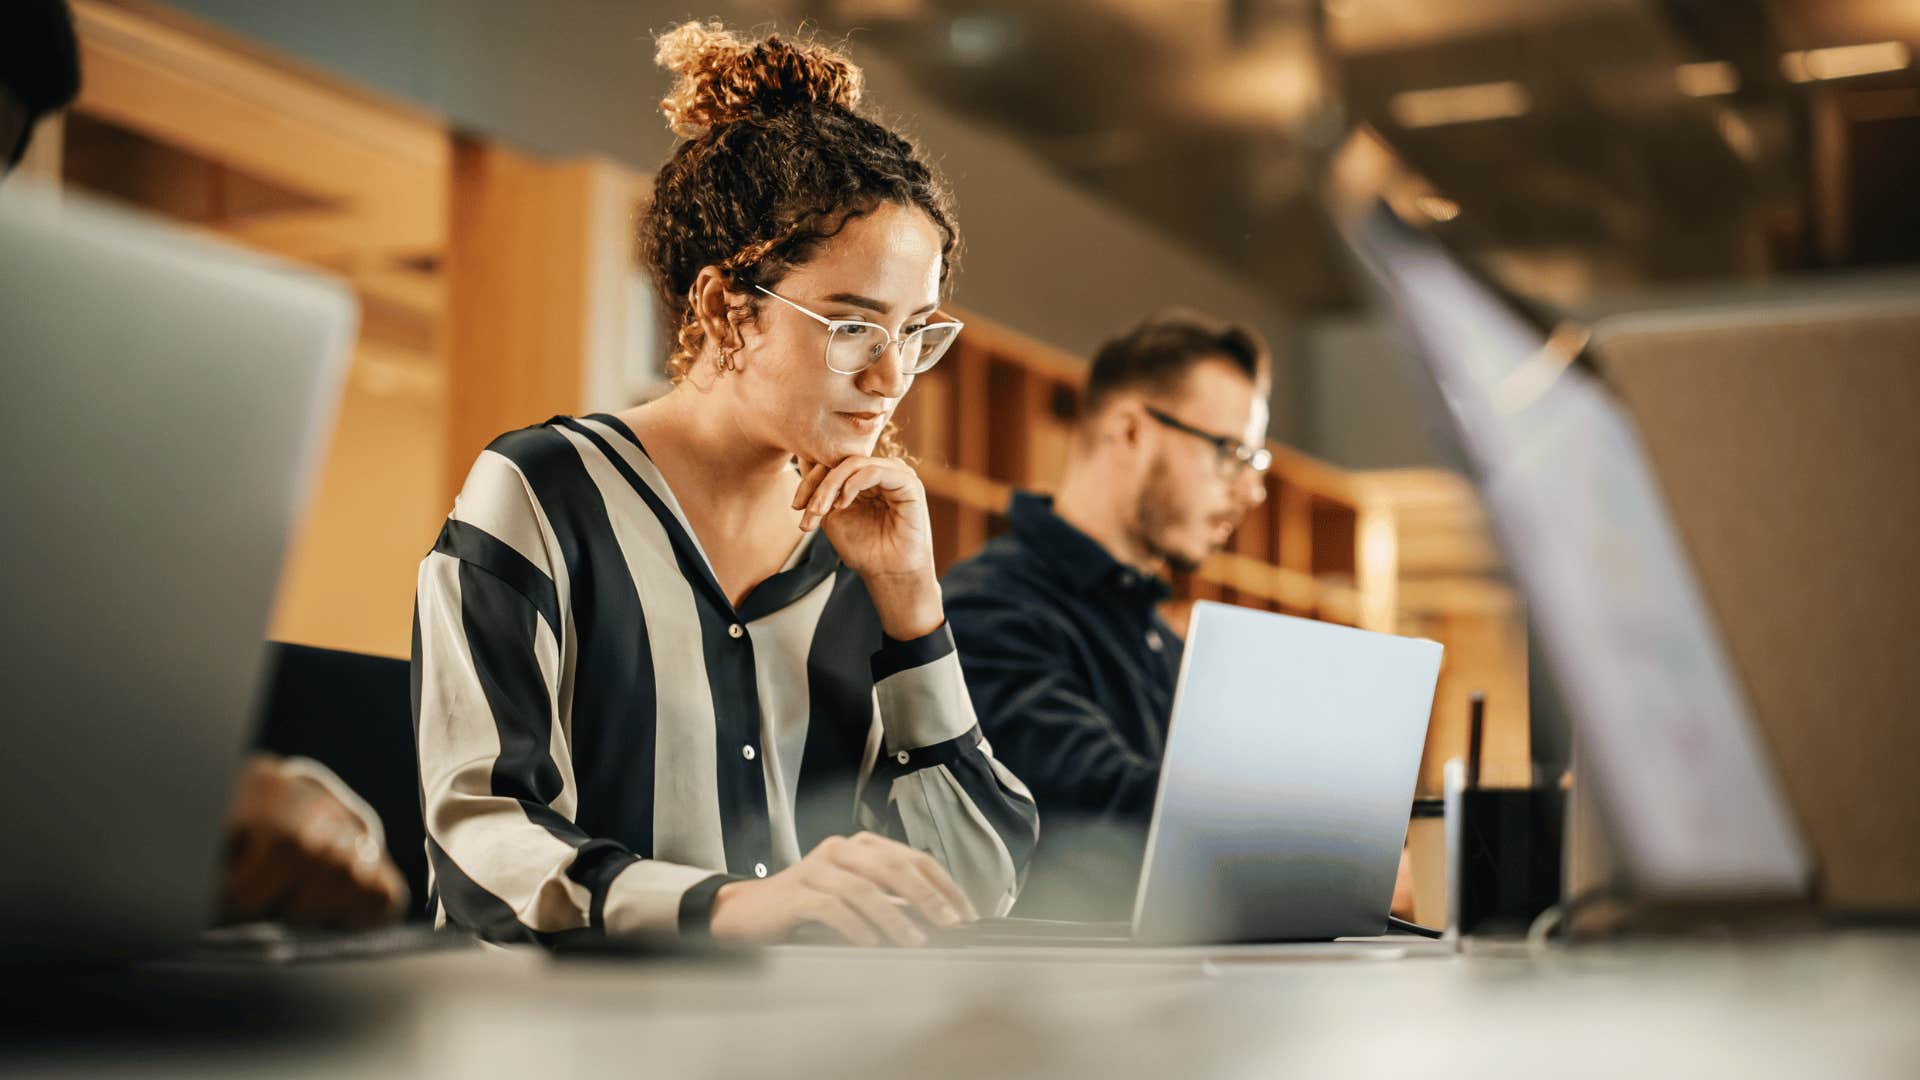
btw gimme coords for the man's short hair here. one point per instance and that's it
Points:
(1156, 355)
(39, 59)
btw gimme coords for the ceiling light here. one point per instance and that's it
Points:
(1708, 78)
(979, 39)
(1459, 104)
(1845, 61)
(1740, 136)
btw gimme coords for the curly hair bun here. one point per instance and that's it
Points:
(721, 79)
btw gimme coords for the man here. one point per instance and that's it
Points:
(1068, 660)
(301, 847)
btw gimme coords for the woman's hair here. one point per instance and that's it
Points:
(774, 160)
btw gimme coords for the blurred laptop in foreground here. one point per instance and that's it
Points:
(166, 399)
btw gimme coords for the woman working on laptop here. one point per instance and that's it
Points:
(671, 662)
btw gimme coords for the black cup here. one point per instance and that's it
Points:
(1507, 857)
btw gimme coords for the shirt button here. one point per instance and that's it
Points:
(759, 869)
(736, 631)
(1127, 579)
(901, 757)
(1153, 640)
(747, 751)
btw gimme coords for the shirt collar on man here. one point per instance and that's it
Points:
(1079, 558)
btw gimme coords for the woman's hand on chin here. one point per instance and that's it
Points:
(874, 510)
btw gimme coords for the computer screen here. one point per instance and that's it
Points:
(1664, 732)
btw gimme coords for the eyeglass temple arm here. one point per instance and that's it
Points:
(821, 319)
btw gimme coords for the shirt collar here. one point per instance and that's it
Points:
(1077, 557)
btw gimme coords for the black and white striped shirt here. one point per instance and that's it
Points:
(605, 739)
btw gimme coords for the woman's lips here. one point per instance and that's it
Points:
(865, 421)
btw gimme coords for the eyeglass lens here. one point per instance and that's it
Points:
(853, 348)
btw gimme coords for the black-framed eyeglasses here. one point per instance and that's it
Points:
(1233, 454)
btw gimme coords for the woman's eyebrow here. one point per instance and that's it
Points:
(875, 306)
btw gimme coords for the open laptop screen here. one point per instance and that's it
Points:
(1658, 714)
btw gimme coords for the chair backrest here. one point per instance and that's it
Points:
(353, 713)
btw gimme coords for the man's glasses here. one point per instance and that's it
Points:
(854, 345)
(1233, 454)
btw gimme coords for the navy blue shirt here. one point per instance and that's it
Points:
(1071, 672)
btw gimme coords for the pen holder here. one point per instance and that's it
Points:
(1503, 854)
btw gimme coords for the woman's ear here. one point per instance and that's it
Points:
(712, 310)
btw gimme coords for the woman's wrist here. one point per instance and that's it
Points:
(909, 604)
(719, 923)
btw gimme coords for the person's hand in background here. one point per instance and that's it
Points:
(304, 851)
(1402, 906)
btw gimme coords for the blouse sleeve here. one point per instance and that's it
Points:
(936, 785)
(508, 860)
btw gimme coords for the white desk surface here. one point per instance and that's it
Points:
(1844, 1004)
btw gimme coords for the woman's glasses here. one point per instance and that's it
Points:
(854, 345)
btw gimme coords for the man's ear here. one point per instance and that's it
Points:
(1127, 423)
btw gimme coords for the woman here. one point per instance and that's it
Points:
(671, 662)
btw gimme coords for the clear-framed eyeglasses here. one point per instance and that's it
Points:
(1231, 455)
(854, 345)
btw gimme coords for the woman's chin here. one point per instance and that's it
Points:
(834, 449)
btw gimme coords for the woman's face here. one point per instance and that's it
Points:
(883, 268)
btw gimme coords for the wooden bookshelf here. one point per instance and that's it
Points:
(488, 280)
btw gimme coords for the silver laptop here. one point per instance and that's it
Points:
(1285, 790)
(162, 403)
(1661, 720)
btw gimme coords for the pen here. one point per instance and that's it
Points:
(1476, 722)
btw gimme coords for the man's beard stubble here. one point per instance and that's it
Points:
(1154, 515)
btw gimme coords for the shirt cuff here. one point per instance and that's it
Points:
(696, 905)
(651, 895)
(896, 656)
(921, 691)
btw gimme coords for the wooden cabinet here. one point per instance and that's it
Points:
(182, 120)
(490, 283)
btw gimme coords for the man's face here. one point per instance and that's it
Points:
(1190, 499)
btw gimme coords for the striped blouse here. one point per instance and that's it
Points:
(605, 739)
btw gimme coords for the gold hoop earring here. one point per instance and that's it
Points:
(726, 361)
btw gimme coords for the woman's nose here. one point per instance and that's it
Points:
(887, 377)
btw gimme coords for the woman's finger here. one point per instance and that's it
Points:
(896, 482)
(937, 877)
(889, 863)
(831, 911)
(874, 904)
(810, 477)
(857, 485)
(829, 490)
